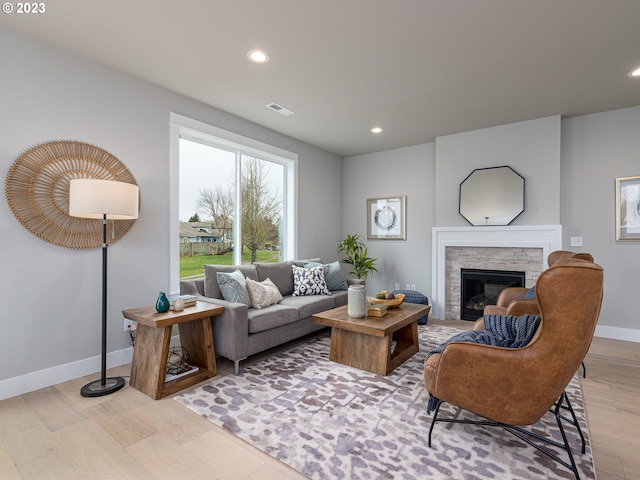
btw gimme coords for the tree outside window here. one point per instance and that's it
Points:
(214, 208)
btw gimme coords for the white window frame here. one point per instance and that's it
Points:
(194, 130)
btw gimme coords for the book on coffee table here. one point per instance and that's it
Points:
(378, 310)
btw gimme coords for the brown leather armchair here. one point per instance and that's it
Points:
(518, 386)
(511, 300)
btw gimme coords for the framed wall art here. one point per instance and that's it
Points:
(386, 218)
(628, 208)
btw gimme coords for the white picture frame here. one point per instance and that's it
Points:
(628, 209)
(386, 218)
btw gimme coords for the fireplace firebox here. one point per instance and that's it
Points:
(482, 287)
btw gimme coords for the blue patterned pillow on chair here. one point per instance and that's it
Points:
(309, 281)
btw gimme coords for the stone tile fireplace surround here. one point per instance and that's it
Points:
(520, 248)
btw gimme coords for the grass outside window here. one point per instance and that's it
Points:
(193, 267)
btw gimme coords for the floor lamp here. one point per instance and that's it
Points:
(106, 200)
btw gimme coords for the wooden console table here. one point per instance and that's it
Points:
(151, 348)
(365, 343)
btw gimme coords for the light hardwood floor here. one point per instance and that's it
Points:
(54, 433)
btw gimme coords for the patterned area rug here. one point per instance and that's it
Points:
(329, 421)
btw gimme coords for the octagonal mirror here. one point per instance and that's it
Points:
(492, 196)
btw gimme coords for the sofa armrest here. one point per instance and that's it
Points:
(230, 329)
(192, 287)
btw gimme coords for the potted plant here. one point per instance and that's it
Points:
(355, 253)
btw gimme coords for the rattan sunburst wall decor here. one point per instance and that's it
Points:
(37, 190)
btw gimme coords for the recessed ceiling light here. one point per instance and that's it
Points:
(634, 73)
(258, 56)
(376, 130)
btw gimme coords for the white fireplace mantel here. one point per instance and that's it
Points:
(546, 237)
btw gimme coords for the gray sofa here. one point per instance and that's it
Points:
(241, 331)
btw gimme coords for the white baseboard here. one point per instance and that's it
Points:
(29, 382)
(617, 333)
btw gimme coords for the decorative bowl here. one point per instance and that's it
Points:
(392, 303)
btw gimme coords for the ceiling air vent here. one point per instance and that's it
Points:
(280, 109)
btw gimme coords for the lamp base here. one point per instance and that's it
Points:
(96, 389)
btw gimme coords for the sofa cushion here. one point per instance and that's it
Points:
(211, 287)
(309, 305)
(339, 298)
(279, 273)
(309, 281)
(233, 286)
(263, 293)
(270, 317)
(332, 274)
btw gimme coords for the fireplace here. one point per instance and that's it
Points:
(520, 247)
(482, 287)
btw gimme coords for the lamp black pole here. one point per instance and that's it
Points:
(105, 385)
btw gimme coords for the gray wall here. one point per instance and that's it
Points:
(597, 149)
(406, 171)
(52, 295)
(531, 148)
(570, 168)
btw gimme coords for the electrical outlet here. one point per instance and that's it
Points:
(413, 286)
(576, 241)
(127, 324)
(397, 286)
(407, 286)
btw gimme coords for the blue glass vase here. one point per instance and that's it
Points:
(162, 304)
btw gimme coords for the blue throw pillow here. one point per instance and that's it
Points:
(332, 274)
(531, 293)
(234, 287)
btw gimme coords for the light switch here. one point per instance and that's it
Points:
(576, 241)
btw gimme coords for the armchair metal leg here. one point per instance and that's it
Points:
(573, 421)
(584, 370)
(524, 434)
(433, 420)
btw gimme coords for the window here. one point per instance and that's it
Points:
(232, 199)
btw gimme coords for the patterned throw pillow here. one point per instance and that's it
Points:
(263, 293)
(309, 281)
(332, 274)
(234, 287)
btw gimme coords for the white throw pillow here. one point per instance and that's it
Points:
(263, 293)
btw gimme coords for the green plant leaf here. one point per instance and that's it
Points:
(356, 254)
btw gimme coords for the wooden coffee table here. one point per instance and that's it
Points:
(365, 343)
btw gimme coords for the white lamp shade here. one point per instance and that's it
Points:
(91, 198)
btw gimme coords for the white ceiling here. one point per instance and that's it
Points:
(417, 68)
